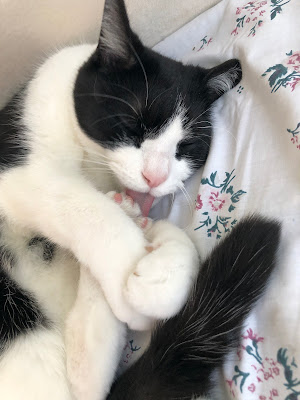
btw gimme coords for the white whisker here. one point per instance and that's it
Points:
(129, 91)
(108, 96)
(111, 116)
(158, 97)
(144, 72)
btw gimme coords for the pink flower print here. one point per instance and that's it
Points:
(258, 379)
(254, 19)
(230, 383)
(262, 12)
(267, 376)
(294, 59)
(199, 203)
(294, 139)
(235, 31)
(248, 19)
(251, 388)
(215, 202)
(210, 40)
(253, 336)
(238, 10)
(262, 398)
(293, 83)
(239, 355)
(276, 371)
(274, 392)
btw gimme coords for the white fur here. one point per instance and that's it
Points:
(55, 195)
(224, 82)
(155, 153)
(34, 368)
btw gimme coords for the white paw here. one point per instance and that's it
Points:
(131, 208)
(161, 282)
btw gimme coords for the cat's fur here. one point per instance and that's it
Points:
(92, 120)
(186, 351)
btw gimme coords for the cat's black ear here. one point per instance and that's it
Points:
(116, 42)
(222, 78)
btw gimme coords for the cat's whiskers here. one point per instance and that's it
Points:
(82, 160)
(108, 96)
(129, 91)
(111, 116)
(144, 72)
(187, 197)
(107, 171)
(199, 116)
(160, 94)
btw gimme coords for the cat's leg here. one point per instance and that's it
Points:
(94, 341)
(65, 207)
(33, 367)
(162, 280)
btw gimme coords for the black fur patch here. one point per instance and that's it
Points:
(185, 350)
(126, 91)
(19, 311)
(48, 248)
(12, 146)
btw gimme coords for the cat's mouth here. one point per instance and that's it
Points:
(144, 200)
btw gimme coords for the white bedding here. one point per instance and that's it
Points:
(253, 166)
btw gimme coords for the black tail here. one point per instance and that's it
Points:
(185, 350)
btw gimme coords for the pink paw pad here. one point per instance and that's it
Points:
(149, 249)
(144, 223)
(118, 198)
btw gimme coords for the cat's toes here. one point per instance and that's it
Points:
(159, 286)
(126, 202)
(144, 223)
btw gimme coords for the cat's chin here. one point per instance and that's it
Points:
(144, 200)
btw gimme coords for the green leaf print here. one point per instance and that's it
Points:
(280, 70)
(217, 201)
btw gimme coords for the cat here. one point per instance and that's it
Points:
(78, 263)
(185, 353)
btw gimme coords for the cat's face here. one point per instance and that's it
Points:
(150, 113)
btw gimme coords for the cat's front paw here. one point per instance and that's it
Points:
(131, 208)
(161, 282)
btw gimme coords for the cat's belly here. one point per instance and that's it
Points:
(33, 368)
(48, 273)
(38, 285)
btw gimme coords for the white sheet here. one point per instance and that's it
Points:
(253, 166)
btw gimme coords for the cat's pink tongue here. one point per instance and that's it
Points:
(144, 200)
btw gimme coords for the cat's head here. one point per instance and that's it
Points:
(150, 113)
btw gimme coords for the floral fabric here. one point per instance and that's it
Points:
(253, 167)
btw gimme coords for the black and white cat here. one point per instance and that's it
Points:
(93, 120)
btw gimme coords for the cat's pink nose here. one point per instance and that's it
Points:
(154, 179)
